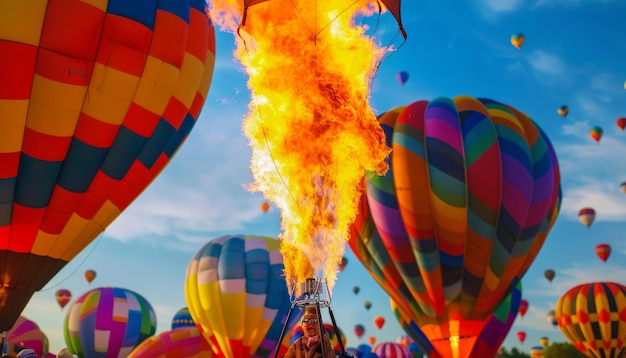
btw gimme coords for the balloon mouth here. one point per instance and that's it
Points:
(312, 286)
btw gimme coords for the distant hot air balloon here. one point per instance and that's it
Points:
(549, 274)
(402, 77)
(343, 263)
(563, 111)
(371, 340)
(99, 98)
(404, 340)
(422, 230)
(356, 289)
(551, 317)
(621, 123)
(591, 316)
(359, 330)
(182, 318)
(90, 275)
(587, 216)
(517, 40)
(544, 341)
(108, 319)
(63, 296)
(521, 336)
(536, 352)
(596, 133)
(523, 307)
(185, 342)
(622, 187)
(25, 334)
(603, 251)
(265, 206)
(391, 350)
(379, 321)
(367, 305)
(221, 279)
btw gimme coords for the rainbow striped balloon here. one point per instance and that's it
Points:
(108, 322)
(471, 195)
(96, 98)
(185, 342)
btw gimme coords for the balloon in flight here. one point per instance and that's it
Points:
(265, 206)
(182, 318)
(591, 316)
(63, 297)
(521, 336)
(549, 274)
(621, 123)
(517, 40)
(402, 77)
(596, 133)
(379, 321)
(523, 307)
(99, 98)
(359, 330)
(544, 341)
(586, 216)
(108, 319)
(90, 275)
(622, 187)
(434, 219)
(603, 251)
(563, 111)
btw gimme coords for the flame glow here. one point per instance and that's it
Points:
(310, 126)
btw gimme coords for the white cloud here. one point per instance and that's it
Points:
(503, 5)
(549, 69)
(566, 3)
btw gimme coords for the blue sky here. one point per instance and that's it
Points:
(574, 54)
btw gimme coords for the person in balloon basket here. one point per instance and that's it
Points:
(310, 345)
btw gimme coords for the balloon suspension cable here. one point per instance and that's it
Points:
(315, 292)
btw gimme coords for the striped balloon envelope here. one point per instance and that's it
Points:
(185, 342)
(96, 98)
(391, 350)
(26, 334)
(182, 318)
(472, 192)
(108, 322)
(236, 292)
(592, 316)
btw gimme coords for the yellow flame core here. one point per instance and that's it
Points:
(310, 126)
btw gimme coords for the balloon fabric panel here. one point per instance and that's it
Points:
(97, 99)
(185, 342)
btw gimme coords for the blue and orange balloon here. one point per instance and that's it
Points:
(96, 98)
(563, 111)
(435, 234)
(517, 40)
(182, 319)
(596, 133)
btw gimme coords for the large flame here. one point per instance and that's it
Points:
(310, 126)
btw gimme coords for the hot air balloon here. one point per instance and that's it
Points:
(391, 350)
(404, 340)
(265, 206)
(447, 223)
(182, 318)
(622, 187)
(596, 133)
(621, 123)
(523, 307)
(517, 40)
(108, 319)
(359, 330)
(411, 328)
(221, 277)
(549, 274)
(185, 342)
(521, 336)
(25, 334)
(379, 321)
(63, 296)
(296, 333)
(356, 289)
(591, 316)
(536, 352)
(402, 77)
(563, 111)
(367, 305)
(371, 340)
(99, 98)
(544, 341)
(343, 263)
(586, 216)
(603, 251)
(551, 317)
(90, 275)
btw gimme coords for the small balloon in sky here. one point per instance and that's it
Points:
(402, 77)
(563, 111)
(621, 123)
(603, 251)
(622, 187)
(596, 133)
(586, 216)
(517, 40)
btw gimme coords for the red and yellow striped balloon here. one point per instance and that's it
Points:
(592, 317)
(96, 97)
